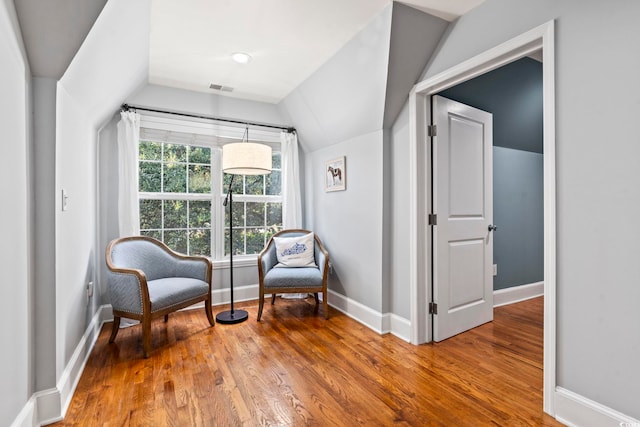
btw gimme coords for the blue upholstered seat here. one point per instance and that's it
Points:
(294, 277)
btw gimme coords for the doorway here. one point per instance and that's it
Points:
(513, 160)
(539, 38)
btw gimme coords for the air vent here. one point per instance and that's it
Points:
(220, 87)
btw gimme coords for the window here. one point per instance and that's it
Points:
(181, 190)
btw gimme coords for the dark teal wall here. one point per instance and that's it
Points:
(513, 94)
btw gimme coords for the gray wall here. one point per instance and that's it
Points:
(350, 222)
(513, 94)
(15, 360)
(518, 248)
(399, 240)
(598, 170)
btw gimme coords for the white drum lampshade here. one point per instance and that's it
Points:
(246, 158)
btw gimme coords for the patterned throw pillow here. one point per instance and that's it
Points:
(295, 251)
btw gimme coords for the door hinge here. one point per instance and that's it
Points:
(432, 130)
(433, 219)
(433, 308)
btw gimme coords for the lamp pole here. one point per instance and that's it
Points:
(231, 316)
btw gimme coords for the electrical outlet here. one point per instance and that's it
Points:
(89, 289)
(495, 269)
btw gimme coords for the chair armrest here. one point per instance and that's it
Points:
(321, 255)
(128, 289)
(267, 258)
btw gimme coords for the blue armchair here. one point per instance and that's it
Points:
(292, 279)
(147, 280)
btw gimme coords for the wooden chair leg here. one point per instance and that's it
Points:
(146, 336)
(115, 328)
(166, 318)
(207, 309)
(325, 304)
(315, 295)
(260, 303)
(273, 299)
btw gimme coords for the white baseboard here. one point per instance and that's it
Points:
(517, 294)
(399, 326)
(382, 324)
(575, 410)
(48, 406)
(28, 416)
(240, 293)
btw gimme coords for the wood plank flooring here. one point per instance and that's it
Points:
(294, 368)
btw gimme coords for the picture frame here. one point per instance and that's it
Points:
(335, 174)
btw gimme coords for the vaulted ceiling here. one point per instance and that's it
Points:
(191, 41)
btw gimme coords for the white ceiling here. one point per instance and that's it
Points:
(192, 40)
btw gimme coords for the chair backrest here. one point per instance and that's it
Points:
(319, 258)
(144, 254)
(292, 233)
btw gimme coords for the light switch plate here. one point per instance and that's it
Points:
(65, 200)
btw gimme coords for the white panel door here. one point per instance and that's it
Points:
(463, 203)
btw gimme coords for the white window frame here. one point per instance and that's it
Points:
(216, 135)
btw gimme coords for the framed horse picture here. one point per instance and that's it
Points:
(335, 174)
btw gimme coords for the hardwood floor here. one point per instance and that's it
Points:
(294, 368)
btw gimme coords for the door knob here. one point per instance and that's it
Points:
(493, 227)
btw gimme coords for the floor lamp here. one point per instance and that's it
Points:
(240, 158)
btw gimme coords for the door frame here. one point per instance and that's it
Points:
(420, 251)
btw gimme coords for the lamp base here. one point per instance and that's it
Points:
(230, 317)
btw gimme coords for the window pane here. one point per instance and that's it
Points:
(270, 232)
(150, 150)
(238, 241)
(200, 242)
(150, 214)
(199, 155)
(275, 160)
(176, 240)
(199, 179)
(175, 214)
(156, 234)
(274, 187)
(254, 184)
(200, 214)
(150, 177)
(238, 215)
(255, 240)
(237, 184)
(255, 214)
(175, 153)
(175, 178)
(274, 214)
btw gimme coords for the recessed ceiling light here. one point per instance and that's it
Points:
(241, 57)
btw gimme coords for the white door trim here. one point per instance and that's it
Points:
(420, 185)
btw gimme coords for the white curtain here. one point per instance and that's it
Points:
(291, 199)
(128, 209)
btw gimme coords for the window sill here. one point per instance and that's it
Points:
(238, 261)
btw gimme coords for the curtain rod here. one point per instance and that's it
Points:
(127, 107)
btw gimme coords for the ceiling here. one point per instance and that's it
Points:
(192, 40)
